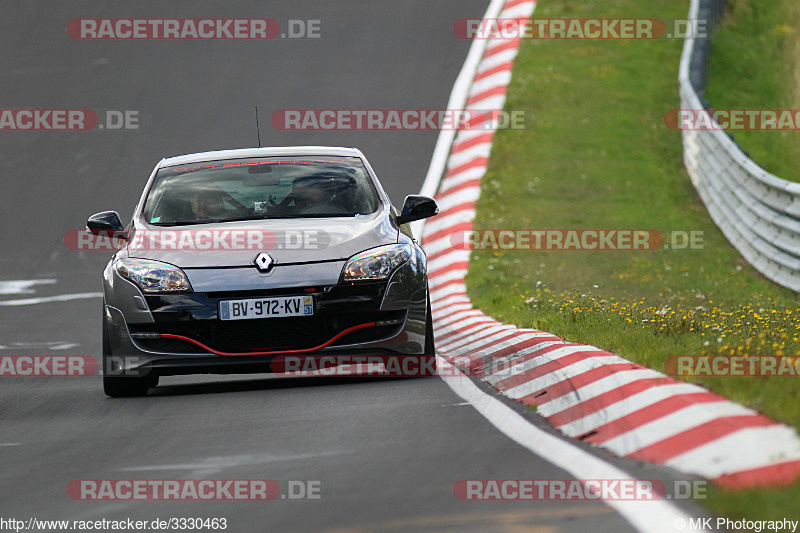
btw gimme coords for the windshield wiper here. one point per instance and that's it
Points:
(178, 223)
(316, 215)
(239, 219)
(188, 222)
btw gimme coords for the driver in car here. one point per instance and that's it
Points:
(206, 204)
(305, 192)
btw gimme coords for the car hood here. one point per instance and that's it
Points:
(235, 244)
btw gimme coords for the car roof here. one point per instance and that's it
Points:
(277, 151)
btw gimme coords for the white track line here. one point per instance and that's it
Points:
(458, 96)
(46, 299)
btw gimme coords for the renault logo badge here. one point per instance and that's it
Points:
(264, 262)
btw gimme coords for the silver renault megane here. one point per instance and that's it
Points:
(235, 258)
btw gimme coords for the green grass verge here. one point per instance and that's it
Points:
(753, 65)
(600, 156)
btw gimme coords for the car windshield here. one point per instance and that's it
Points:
(256, 189)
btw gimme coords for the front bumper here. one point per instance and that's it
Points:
(182, 334)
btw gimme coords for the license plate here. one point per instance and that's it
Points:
(266, 308)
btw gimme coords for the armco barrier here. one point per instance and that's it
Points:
(757, 211)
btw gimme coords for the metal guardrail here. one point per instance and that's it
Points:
(757, 211)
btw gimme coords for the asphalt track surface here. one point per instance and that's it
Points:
(386, 452)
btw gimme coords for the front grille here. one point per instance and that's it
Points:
(269, 334)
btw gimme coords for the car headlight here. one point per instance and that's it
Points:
(153, 276)
(377, 263)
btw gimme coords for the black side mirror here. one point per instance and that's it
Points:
(105, 222)
(417, 207)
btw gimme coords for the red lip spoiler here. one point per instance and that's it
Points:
(278, 352)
